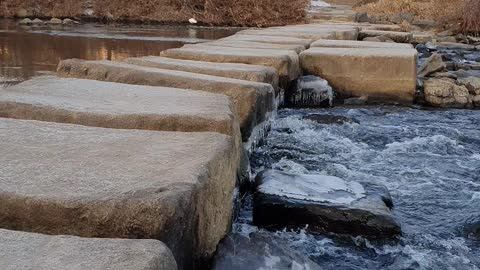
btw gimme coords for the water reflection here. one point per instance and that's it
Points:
(26, 51)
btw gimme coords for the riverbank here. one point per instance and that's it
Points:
(206, 12)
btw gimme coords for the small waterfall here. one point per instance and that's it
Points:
(310, 91)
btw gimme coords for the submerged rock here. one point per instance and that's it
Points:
(472, 230)
(259, 251)
(324, 203)
(330, 119)
(311, 91)
(445, 93)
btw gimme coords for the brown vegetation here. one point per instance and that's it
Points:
(465, 13)
(212, 12)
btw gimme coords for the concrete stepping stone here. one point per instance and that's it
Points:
(115, 105)
(381, 74)
(270, 39)
(358, 44)
(254, 45)
(399, 37)
(246, 72)
(253, 100)
(284, 61)
(176, 187)
(22, 250)
(307, 32)
(326, 203)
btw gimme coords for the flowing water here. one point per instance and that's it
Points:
(26, 51)
(429, 160)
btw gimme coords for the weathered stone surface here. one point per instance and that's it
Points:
(445, 93)
(29, 251)
(259, 251)
(455, 46)
(325, 203)
(358, 44)
(472, 84)
(270, 39)
(400, 37)
(379, 73)
(254, 45)
(433, 64)
(55, 21)
(252, 100)
(378, 39)
(176, 187)
(381, 27)
(114, 105)
(422, 38)
(306, 33)
(246, 72)
(330, 119)
(25, 21)
(284, 61)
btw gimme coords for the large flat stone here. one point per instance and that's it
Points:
(246, 72)
(284, 61)
(270, 39)
(327, 204)
(358, 44)
(381, 74)
(115, 105)
(307, 32)
(252, 100)
(254, 45)
(176, 187)
(29, 251)
(400, 37)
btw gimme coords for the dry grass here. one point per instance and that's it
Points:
(447, 12)
(212, 12)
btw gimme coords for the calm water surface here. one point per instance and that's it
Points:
(26, 51)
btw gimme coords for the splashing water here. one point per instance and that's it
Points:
(429, 160)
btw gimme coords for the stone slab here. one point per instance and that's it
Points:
(254, 45)
(32, 251)
(115, 105)
(327, 204)
(176, 187)
(284, 61)
(253, 100)
(246, 72)
(270, 39)
(382, 75)
(399, 37)
(358, 44)
(306, 33)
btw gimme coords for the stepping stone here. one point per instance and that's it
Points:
(253, 100)
(327, 204)
(253, 45)
(22, 250)
(230, 70)
(284, 61)
(382, 74)
(399, 37)
(270, 39)
(307, 32)
(176, 187)
(115, 105)
(358, 44)
(240, 252)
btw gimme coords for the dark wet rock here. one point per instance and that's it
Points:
(310, 91)
(433, 64)
(472, 230)
(259, 251)
(421, 48)
(363, 17)
(326, 204)
(330, 119)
